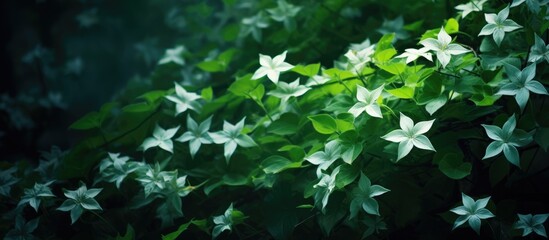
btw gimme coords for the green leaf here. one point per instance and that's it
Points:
(226, 56)
(385, 55)
(430, 34)
(287, 124)
(435, 104)
(452, 26)
(403, 92)
(308, 71)
(350, 136)
(207, 93)
(243, 86)
(218, 65)
(211, 66)
(324, 123)
(88, 121)
(296, 152)
(344, 122)
(492, 62)
(153, 96)
(93, 119)
(395, 68)
(385, 42)
(305, 206)
(453, 166)
(350, 151)
(258, 93)
(347, 175)
(139, 107)
(276, 164)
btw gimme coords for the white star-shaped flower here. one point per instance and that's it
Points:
(285, 90)
(521, 83)
(472, 6)
(272, 67)
(173, 55)
(161, 138)
(412, 54)
(231, 136)
(443, 47)
(367, 102)
(184, 100)
(196, 134)
(358, 59)
(410, 135)
(498, 25)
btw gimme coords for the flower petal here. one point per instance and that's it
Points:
(396, 136)
(422, 127)
(374, 110)
(493, 149)
(259, 73)
(406, 123)
(279, 58)
(358, 109)
(443, 37)
(422, 142)
(404, 148)
(511, 154)
(522, 97)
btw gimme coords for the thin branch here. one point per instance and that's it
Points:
(131, 130)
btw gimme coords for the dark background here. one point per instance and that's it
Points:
(78, 62)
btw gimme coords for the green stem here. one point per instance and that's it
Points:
(342, 83)
(265, 110)
(260, 104)
(447, 74)
(131, 130)
(305, 220)
(390, 110)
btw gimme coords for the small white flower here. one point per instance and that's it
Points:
(521, 83)
(498, 25)
(367, 102)
(161, 138)
(272, 67)
(231, 136)
(443, 47)
(285, 90)
(173, 55)
(196, 134)
(358, 59)
(412, 54)
(184, 100)
(410, 135)
(472, 6)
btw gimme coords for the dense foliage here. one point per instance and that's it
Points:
(311, 119)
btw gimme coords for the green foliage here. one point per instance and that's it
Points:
(302, 159)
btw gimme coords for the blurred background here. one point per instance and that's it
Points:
(63, 59)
